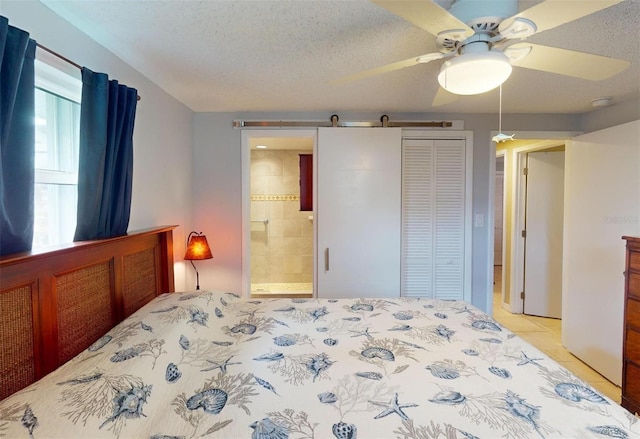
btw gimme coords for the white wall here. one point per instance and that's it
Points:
(163, 135)
(218, 200)
(602, 203)
(218, 185)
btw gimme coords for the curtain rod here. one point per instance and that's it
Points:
(67, 60)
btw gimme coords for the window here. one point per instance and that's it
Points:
(57, 124)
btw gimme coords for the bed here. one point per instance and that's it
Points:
(211, 364)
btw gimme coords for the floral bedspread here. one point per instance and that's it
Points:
(210, 364)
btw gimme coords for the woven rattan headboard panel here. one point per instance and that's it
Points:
(53, 305)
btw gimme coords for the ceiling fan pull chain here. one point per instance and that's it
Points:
(500, 112)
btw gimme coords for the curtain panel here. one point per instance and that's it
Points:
(17, 138)
(105, 172)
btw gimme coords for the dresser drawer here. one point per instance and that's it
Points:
(631, 385)
(634, 285)
(632, 346)
(634, 260)
(632, 316)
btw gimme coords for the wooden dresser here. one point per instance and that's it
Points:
(631, 346)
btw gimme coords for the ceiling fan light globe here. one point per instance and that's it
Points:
(474, 73)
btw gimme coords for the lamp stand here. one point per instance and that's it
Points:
(197, 276)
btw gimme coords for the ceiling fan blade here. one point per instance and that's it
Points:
(425, 14)
(568, 62)
(552, 13)
(443, 97)
(389, 68)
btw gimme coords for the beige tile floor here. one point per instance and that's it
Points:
(282, 290)
(545, 334)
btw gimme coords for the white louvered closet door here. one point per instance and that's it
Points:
(433, 218)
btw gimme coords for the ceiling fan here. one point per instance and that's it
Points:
(480, 41)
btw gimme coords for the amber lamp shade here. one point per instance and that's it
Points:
(197, 249)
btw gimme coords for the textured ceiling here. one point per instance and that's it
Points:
(281, 55)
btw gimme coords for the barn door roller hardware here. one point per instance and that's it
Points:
(334, 121)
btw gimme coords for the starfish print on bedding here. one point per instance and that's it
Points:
(526, 360)
(365, 333)
(251, 314)
(392, 407)
(222, 366)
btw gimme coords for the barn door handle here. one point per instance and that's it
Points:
(326, 259)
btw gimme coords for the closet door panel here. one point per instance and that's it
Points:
(449, 217)
(358, 212)
(433, 218)
(417, 218)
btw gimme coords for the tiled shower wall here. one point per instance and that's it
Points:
(282, 250)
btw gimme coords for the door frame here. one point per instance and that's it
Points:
(468, 135)
(505, 168)
(540, 140)
(246, 136)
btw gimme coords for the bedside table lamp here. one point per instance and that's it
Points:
(197, 249)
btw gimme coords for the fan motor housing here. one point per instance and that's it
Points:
(469, 11)
(483, 17)
(454, 40)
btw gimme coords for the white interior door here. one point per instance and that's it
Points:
(544, 225)
(602, 194)
(358, 212)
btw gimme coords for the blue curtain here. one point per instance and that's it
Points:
(107, 116)
(17, 138)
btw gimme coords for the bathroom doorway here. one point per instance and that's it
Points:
(281, 231)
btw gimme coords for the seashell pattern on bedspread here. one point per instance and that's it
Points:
(209, 364)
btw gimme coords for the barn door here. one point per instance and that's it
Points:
(358, 212)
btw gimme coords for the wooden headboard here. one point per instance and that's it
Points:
(55, 304)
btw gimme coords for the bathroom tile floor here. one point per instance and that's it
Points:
(545, 334)
(281, 290)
